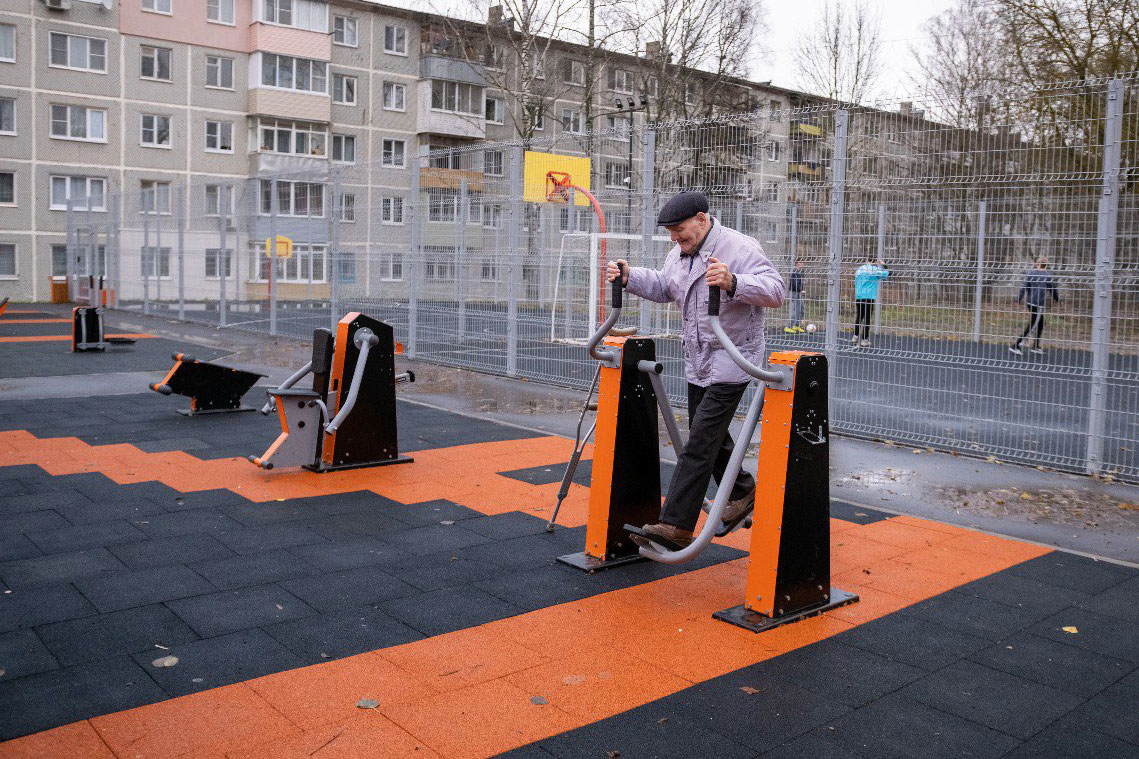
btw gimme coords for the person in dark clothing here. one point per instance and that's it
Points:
(795, 317)
(1038, 285)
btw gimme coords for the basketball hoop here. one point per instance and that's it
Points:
(558, 186)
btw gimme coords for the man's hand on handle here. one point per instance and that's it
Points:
(618, 268)
(718, 275)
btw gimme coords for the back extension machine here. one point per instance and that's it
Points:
(211, 388)
(348, 419)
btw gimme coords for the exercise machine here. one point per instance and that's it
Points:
(211, 388)
(348, 419)
(3, 305)
(88, 333)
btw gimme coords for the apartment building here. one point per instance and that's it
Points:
(157, 126)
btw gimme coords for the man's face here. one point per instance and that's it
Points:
(689, 232)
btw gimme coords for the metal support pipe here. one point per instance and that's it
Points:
(273, 210)
(979, 288)
(364, 340)
(881, 257)
(223, 254)
(834, 238)
(181, 194)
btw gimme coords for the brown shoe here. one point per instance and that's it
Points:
(672, 538)
(736, 510)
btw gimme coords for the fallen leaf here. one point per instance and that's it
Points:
(573, 679)
(1025, 497)
(448, 521)
(612, 754)
(1129, 506)
(749, 690)
(1070, 629)
(367, 703)
(165, 661)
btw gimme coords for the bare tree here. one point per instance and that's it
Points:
(839, 56)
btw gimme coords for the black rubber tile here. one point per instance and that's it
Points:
(183, 549)
(914, 641)
(126, 590)
(975, 616)
(343, 503)
(849, 512)
(897, 726)
(526, 752)
(362, 552)
(549, 474)
(43, 499)
(1004, 702)
(214, 662)
(162, 445)
(650, 732)
(21, 654)
(1076, 572)
(64, 567)
(435, 538)
(343, 633)
(761, 719)
(40, 606)
(1038, 598)
(441, 570)
(146, 491)
(1120, 601)
(353, 525)
(185, 523)
(1110, 636)
(202, 499)
(450, 609)
(77, 538)
(34, 521)
(1113, 711)
(15, 546)
(1055, 664)
(540, 587)
(530, 551)
(514, 524)
(353, 588)
(257, 539)
(50, 699)
(253, 569)
(427, 513)
(814, 745)
(253, 514)
(833, 670)
(34, 360)
(105, 636)
(1073, 739)
(232, 610)
(109, 509)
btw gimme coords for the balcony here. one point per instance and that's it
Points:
(286, 104)
(806, 129)
(284, 40)
(446, 123)
(452, 69)
(435, 178)
(804, 169)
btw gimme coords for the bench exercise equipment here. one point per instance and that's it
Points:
(348, 419)
(211, 388)
(3, 305)
(87, 331)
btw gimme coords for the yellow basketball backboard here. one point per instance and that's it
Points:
(538, 165)
(284, 247)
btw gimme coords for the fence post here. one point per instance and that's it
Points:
(70, 263)
(418, 217)
(89, 253)
(981, 218)
(182, 252)
(147, 272)
(514, 246)
(272, 255)
(1107, 229)
(223, 254)
(460, 269)
(834, 236)
(158, 250)
(116, 230)
(793, 232)
(648, 218)
(881, 257)
(334, 257)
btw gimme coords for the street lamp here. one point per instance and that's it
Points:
(630, 107)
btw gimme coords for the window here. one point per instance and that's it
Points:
(573, 121)
(616, 174)
(443, 206)
(492, 163)
(87, 193)
(439, 262)
(305, 199)
(219, 11)
(690, 97)
(773, 110)
(620, 80)
(157, 6)
(213, 200)
(8, 260)
(474, 210)
(74, 52)
(219, 136)
(307, 264)
(155, 131)
(391, 210)
(293, 73)
(456, 97)
(395, 40)
(344, 31)
(156, 63)
(536, 116)
(573, 72)
(492, 215)
(293, 138)
(7, 116)
(393, 153)
(7, 43)
(488, 272)
(155, 197)
(343, 89)
(59, 260)
(771, 192)
(302, 14)
(344, 148)
(395, 97)
(618, 128)
(214, 256)
(155, 262)
(74, 122)
(773, 151)
(495, 110)
(8, 188)
(219, 72)
(347, 206)
(493, 56)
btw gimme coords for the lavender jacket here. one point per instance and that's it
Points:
(758, 286)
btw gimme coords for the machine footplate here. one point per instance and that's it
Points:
(191, 412)
(591, 564)
(757, 623)
(652, 542)
(322, 467)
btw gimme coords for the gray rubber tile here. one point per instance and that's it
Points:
(450, 609)
(66, 539)
(257, 514)
(126, 590)
(1112, 712)
(353, 588)
(975, 616)
(361, 552)
(233, 610)
(34, 521)
(1039, 598)
(267, 538)
(214, 662)
(1004, 702)
(1068, 668)
(110, 509)
(1076, 572)
(185, 523)
(1120, 601)
(441, 570)
(814, 745)
(105, 636)
(435, 538)
(913, 640)
(1073, 738)
(514, 524)
(22, 653)
(41, 606)
(15, 546)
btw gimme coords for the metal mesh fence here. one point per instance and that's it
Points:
(461, 250)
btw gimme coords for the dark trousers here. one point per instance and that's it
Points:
(864, 309)
(710, 411)
(1035, 319)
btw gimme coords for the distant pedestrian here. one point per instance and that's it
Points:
(866, 281)
(1038, 285)
(795, 315)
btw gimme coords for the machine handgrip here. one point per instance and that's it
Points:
(160, 388)
(713, 301)
(617, 288)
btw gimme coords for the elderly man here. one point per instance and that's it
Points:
(707, 254)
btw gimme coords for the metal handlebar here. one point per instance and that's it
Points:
(763, 375)
(364, 340)
(608, 356)
(296, 377)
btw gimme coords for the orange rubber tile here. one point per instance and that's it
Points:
(365, 736)
(902, 535)
(460, 659)
(35, 321)
(67, 338)
(76, 741)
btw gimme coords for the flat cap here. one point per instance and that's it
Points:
(683, 206)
